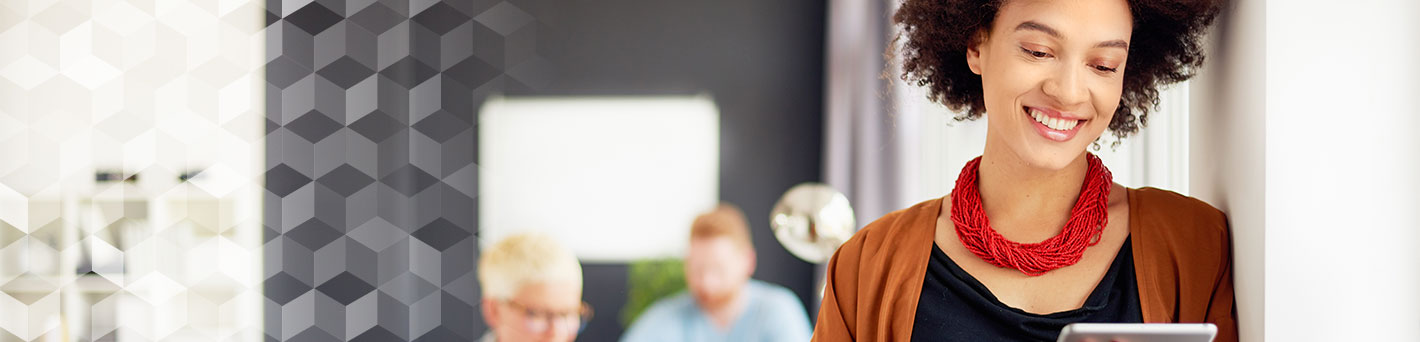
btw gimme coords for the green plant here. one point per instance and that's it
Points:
(649, 281)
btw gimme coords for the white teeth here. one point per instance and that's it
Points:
(1053, 123)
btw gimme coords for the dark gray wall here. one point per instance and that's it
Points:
(371, 194)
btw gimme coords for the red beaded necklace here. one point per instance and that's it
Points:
(1087, 221)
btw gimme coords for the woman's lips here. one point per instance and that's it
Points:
(1052, 126)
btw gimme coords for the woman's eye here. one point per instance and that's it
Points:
(1105, 68)
(1036, 54)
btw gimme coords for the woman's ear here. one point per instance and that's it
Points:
(973, 51)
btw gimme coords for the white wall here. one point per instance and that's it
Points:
(1343, 161)
(1303, 134)
(1226, 146)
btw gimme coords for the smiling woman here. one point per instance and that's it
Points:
(1035, 234)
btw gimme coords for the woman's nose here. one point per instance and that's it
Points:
(1066, 86)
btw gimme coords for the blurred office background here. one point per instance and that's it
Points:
(373, 149)
(317, 170)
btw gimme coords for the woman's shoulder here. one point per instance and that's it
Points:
(1154, 207)
(1170, 225)
(878, 273)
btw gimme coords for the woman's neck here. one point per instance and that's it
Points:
(1027, 203)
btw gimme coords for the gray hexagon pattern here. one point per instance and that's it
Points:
(369, 154)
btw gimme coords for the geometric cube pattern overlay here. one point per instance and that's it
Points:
(169, 91)
(370, 164)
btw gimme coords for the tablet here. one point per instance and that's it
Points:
(1137, 332)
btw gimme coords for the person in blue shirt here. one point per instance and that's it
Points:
(722, 303)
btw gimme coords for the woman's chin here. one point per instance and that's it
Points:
(1052, 158)
(1037, 152)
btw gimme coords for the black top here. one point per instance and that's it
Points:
(956, 307)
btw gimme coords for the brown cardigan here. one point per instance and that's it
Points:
(1182, 258)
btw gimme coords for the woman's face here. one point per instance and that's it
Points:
(1052, 73)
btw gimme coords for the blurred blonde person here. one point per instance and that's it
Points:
(532, 290)
(722, 302)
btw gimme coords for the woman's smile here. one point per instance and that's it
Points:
(1053, 124)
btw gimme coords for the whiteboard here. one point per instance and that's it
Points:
(614, 178)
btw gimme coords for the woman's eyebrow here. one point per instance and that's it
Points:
(1117, 43)
(1035, 26)
(1031, 25)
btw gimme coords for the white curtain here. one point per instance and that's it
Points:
(869, 147)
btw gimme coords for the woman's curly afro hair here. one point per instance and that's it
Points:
(1165, 48)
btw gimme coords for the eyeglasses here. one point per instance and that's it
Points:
(537, 321)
